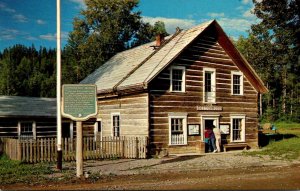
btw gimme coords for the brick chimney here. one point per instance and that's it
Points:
(159, 40)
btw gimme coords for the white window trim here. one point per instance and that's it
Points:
(96, 128)
(71, 129)
(241, 81)
(184, 117)
(213, 83)
(243, 136)
(112, 125)
(183, 78)
(33, 128)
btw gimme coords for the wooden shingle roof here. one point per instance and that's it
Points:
(135, 68)
(18, 106)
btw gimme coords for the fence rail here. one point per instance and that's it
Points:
(44, 149)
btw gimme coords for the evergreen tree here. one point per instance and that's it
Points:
(273, 48)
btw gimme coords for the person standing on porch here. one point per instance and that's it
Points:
(213, 140)
(207, 133)
(217, 137)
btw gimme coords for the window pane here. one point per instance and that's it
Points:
(26, 130)
(236, 84)
(177, 79)
(116, 125)
(176, 125)
(208, 82)
(177, 136)
(236, 129)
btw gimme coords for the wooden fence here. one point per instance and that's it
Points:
(44, 149)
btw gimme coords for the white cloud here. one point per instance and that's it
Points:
(3, 7)
(214, 15)
(248, 13)
(52, 37)
(40, 22)
(8, 34)
(171, 23)
(20, 18)
(246, 1)
(236, 24)
(81, 3)
(49, 36)
(31, 38)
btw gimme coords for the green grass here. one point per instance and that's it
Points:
(286, 149)
(15, 171)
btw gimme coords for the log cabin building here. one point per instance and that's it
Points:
(34, 117)
(171, 89)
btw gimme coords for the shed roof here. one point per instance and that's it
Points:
(18, 106)
(138, 66)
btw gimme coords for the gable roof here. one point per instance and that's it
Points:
(17, 106)
(135, 68)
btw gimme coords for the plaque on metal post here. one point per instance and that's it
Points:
(79, 101)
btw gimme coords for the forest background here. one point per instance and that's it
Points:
(272, 48)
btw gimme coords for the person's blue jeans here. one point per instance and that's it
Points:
(213, 144)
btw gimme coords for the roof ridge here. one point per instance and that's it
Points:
(146, 59)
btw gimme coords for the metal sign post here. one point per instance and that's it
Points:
(58, 87)
(79, 104)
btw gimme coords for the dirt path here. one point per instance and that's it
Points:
(223, 171)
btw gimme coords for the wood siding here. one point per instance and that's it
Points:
(133, 110)
(45, 127)
(204, 52)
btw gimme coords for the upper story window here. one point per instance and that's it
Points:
(209, 85)
(116, 124)
(237, 83)
(177, 79)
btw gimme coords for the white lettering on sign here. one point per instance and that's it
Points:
(209, 108)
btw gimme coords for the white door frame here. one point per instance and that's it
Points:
(214, 117)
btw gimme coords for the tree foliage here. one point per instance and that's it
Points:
(28, 72)
(273, 48)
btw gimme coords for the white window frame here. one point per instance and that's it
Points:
(213, 84)
(112, 124)
(238, 73)
(243, 131)
(182, 116)
(96, 127)
(33, 128)
(183, 78)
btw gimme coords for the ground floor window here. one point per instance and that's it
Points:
(116, 124)
(238, 128)
(177, 130)
(27, 130)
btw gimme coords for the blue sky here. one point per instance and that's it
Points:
(30, 22)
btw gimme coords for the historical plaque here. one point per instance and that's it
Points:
(224, 128)
(193, 129)
(79, 101)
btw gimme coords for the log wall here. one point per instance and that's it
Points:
(133, 110)
(204, 52)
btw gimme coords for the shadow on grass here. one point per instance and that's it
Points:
(265, 139)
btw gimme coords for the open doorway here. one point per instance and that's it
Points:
(208, 121)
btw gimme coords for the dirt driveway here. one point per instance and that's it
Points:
(213, 171)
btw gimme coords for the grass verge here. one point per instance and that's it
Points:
(285, 149)
(15, 171)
